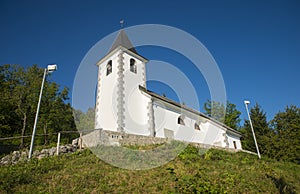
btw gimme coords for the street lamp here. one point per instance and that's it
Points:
(49, 69)
(246, 104)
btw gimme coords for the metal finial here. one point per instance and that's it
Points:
(122, 23)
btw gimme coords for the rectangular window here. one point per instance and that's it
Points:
(132, 65)
(234, 144)
(180, 121)
(109, 67)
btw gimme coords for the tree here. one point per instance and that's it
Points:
(48, 102)
(20, 88)
(85, 121)
(229, 116)
(26, 94)
(8, 116)
(286, 138)
(261, 129)
(232, 117)
(215, 110)
(60, 115)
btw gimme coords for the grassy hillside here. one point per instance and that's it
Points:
(215, 171)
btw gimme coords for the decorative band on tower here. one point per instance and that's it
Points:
(120, 94)
(98, 99)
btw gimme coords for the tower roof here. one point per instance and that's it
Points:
(122, 40)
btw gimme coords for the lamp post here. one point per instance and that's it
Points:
(246, 104)
(49, 69)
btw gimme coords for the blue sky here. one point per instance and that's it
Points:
(256, 44)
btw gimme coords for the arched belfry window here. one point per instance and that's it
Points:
(180, 120)
(132, 65)
(109, 67)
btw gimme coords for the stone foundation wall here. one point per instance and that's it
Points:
(103, 137)
(18, 156)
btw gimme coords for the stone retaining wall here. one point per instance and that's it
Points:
(103, 137)
(18, 156)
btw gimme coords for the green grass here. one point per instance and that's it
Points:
(193, 171)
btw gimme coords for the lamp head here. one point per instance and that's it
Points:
(247, 102)
(51, 68)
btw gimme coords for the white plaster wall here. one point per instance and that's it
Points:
(231, 138)
(214, 135)
(166, 118)
(136, 104)
(106, 114)
(208, 134)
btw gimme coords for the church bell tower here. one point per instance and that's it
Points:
(120, 105)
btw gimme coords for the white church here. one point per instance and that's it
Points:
(123, 104)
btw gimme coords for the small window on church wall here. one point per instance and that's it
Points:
(234, 144)
(132, 65)
(197, 127)
(180, 121)
(109, 67)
